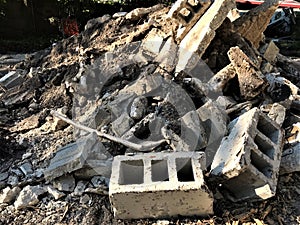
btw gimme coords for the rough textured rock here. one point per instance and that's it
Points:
(253, 24)
(250, 78)
(29, 196)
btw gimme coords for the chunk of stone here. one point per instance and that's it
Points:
(138, 107)
(270, 52)
(29, 196)
(80, 187)
(9, 194)
(251, 80)
(76, 156)
(290, 161)
(54, 192)
(122, 124)
(218, 82)
(252, 25)
(12, 79)
(202, 33)
(12, 180)
(3, 176)
(65, 183)
(277, 113)
(26, 168)
(214, 120)
(192, 131)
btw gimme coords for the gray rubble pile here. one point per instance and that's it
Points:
(166, 112)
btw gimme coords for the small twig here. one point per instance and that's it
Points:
(144, 147)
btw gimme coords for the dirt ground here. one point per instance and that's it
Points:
(28, 133)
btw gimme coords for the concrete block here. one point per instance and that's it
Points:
(252, 25)
(202, 33)
(187, 13)
(251, 80)
(247, 161)
(77, 155)
(156, 185)
(270, 52)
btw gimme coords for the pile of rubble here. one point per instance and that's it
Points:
(173, 111)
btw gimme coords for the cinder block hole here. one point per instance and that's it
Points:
(184, 169)
(196, 6)
(264, 147)
(259, 163)
(131, 172)
(268, 129)
(186, 14)
(159, 170)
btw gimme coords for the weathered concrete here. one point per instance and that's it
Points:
(29, 196)
(270, 52)
(250, 78)
(214, 120)
(200, 36)
(247, 161)
(187, 13)
(9, 194)
(77, 155)
(252, 25)
(159, 185)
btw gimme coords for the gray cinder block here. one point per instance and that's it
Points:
(247, 161)
(157, 185)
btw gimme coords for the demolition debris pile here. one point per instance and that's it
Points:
(172, 111)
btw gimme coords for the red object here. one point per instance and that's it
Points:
(70, 27)
(285, 4)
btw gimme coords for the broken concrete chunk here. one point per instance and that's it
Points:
(270, 52)
(80, 187)
(250, 78)
(214, 120)
(76, 156)
(3, 176)
(138, 107)
(122, 124)
(290, 161)
(12, 79)
(64, 183)
(26, 168)
(200, 36)
(252, 25)
(192, 132)
(247, 161)
(152, 43)
(54, 192)
(9, 194)
(218, 82)
(97, 21)
(187, 13)
(159, 185)
(277, 113)
(28, 197)
(121, 103)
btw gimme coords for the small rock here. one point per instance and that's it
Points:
(65, 183)
(13, 180)
(55, 193)
(99, 180)
(9, 194)
(3, 176)
(28, 196)
(17, 172)
(85, 199)
(26, 168)
(26, 155)
(138, 107)
(79, 189)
